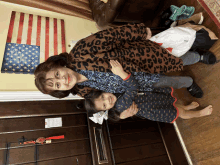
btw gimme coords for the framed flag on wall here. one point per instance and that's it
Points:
(31, 39)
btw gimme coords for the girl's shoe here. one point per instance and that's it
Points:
(207, 57)
(195, 90)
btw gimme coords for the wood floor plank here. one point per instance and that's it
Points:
(201, 135)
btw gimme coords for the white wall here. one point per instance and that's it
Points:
(75, 29)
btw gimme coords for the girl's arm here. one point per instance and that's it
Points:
(108, 39)
(126, 100)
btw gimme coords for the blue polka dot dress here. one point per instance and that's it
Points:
(156, 105)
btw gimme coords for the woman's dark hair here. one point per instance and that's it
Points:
(113, 114)
(51, 63)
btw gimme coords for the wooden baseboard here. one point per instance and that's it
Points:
(172, 144)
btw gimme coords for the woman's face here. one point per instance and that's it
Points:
(105, 101)
(60, 79)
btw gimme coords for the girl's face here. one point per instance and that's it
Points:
(61, 79)
(105, 101)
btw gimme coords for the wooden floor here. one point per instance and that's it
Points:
(202, 135)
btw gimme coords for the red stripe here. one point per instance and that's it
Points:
(29, 29)
(177, 114)
(38, 30)
(55, 37)
(21, 22)
(129, 75)
(63, 36)
(11, 25)
(47, 38)
(210, 13)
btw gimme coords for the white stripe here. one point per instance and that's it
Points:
(15, 28)
(51, 37)
(59, 41)
(42, 40)
(25, 29)
(34, 31)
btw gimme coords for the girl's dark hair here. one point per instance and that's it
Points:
(51, 63)
(113, 114)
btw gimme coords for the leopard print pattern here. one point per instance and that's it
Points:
(129, 46)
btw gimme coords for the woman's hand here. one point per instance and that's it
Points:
(149, 34)
(117, 69)
(131, 111)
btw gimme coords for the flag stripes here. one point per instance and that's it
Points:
(29, 29)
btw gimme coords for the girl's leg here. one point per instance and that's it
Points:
(191, 106)
(174, 81)
(191, 114)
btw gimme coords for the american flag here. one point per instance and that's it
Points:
(32, 39)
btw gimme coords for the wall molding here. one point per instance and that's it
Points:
(30, 96)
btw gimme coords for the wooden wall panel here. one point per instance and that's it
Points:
(139, 152)
(57, 150)
(159, 160)
(2, 156)
(21, 155)
(33, 123)
(128, 140)
(70, 133)
(39, 108)
(131, 127)
(81, 159)
(49, 151)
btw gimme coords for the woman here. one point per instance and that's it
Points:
(128, 44)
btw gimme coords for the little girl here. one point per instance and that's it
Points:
(160, 106)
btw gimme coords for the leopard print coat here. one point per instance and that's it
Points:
(129, 46)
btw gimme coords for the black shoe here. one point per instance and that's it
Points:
(195, 90)
(164, 19)
(207, 57)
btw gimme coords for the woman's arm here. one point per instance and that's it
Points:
(107, 39)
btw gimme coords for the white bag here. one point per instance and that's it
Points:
(177, 40)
